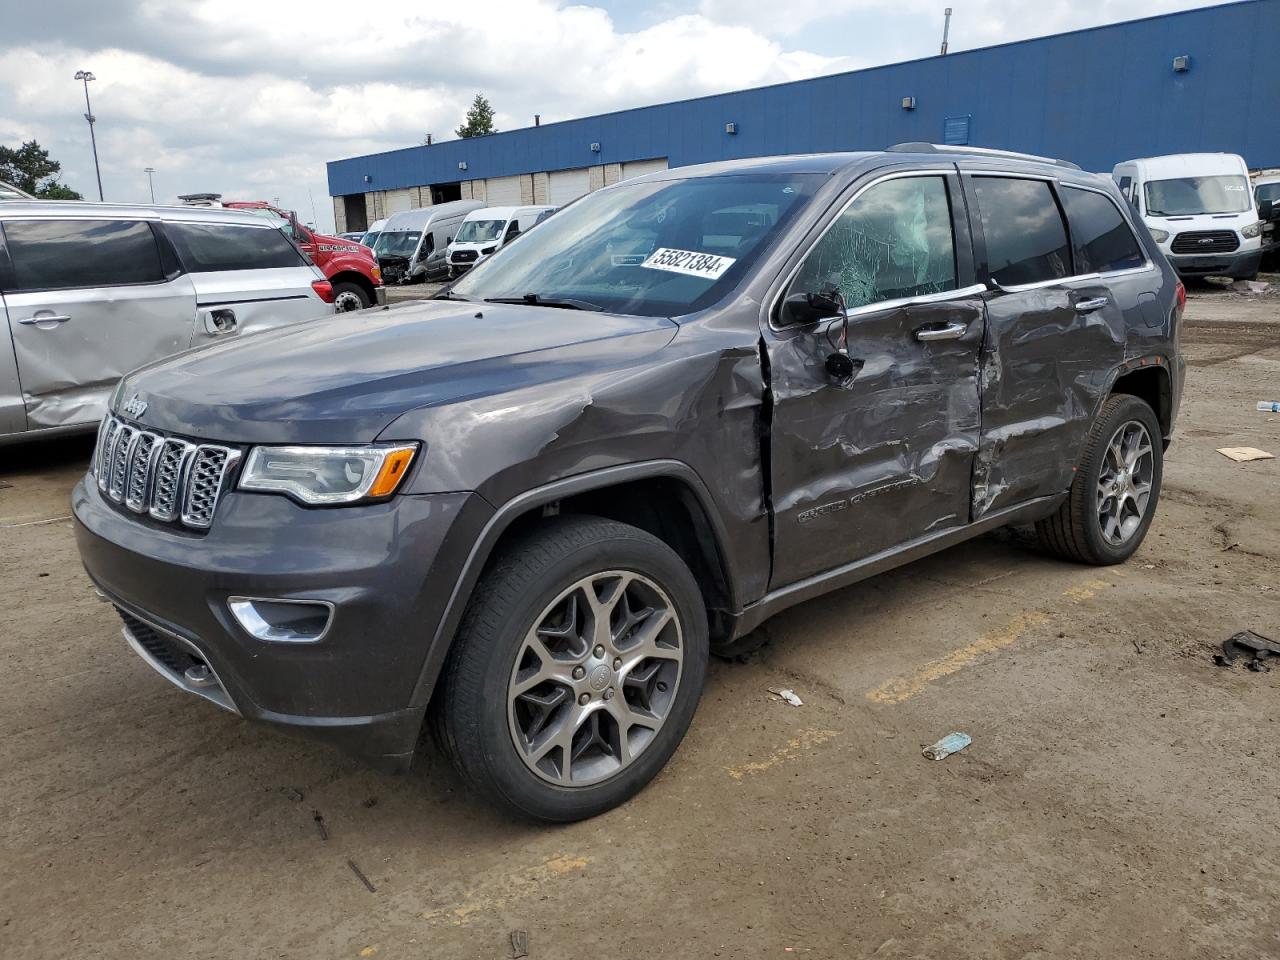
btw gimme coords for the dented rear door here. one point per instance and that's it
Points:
(866, 463)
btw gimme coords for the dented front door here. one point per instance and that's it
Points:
(866, 463)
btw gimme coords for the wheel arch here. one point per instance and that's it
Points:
(664, 497)
(356, 277)
(1149, 380)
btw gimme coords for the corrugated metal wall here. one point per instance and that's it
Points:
(1094, 96)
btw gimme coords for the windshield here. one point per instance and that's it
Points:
(1188, 196)
(480, 231)
(370, 238)
(398, 243)
(662, 248)
(1267, 191)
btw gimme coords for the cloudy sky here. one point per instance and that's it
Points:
(250, 97)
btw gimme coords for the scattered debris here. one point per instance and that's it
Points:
(1245, 454)
(1136, 645)
(951, 743)
(787, 694)
(1230, 546)
(1269, 406)
(519, 944)
(293, 794)
(318, 817)
(361, 876)
(1250, 286)
(371, 802)
(1257, 648)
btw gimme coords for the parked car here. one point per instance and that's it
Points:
(412, 245)
(558, 484)
(92, 291)
(370, 236)
(9, 192)
(1199, 209)
(484, 231)
(346, 264)
(1266, 196)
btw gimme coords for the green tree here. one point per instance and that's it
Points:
(479, 119)
(29, 168)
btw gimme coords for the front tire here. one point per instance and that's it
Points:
(348, 296)
(576, 670)
(1116, 488)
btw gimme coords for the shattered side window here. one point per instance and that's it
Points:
(894, 241)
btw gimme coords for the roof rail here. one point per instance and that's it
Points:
(920, 147)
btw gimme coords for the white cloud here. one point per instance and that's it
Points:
(251, 98)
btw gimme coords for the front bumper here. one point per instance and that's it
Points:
(388, 569)
(1217, 264)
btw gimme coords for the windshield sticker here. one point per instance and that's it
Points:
(689, 262)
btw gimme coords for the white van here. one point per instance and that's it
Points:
(484, 231)
(371, 235)
(1199, 209)
(412, 245)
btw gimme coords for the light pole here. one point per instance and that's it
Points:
(86, 76)
(150, 183)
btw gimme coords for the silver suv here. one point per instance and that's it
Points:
(89, 292)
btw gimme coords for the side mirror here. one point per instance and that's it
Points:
(810, 307)
(1267, 210)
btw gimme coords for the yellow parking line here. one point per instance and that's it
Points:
(804, 740)
(897, 689)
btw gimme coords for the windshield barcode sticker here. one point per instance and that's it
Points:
(689, 262)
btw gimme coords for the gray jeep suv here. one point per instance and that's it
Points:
(527, 510)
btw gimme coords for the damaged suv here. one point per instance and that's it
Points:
(524, 513)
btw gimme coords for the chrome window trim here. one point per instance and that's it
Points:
(775, 303)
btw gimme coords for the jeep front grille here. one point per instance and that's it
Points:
(165, 477)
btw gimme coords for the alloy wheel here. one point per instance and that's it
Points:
(595, 678)
(1124, 483)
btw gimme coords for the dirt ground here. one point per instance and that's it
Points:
(1119, 798)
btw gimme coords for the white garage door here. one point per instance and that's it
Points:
(566, 185)
(637, 168)
(502, 191)
(398, 200)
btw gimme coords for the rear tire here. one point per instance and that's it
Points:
(576, 670)
(348, 296)
(1116, 489)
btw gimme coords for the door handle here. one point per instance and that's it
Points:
(44, 316)
(951, 331)
(1088, 306)
(220, 321)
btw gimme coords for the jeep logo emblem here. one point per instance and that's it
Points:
(600, 677)
(135, 406)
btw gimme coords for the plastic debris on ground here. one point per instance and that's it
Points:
(788, 695)
(519, 944)
(951, 743)
(1269, 406)
(1253, 647)
(1244, 454)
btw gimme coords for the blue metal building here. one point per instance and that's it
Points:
(1095, 96)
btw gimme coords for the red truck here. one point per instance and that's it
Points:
(348, 266)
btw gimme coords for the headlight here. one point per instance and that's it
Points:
(1159, 236)
(320, 476)
(1252, 230)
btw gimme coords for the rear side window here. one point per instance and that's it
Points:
(61, 254)
(1102, 239)
(1026, 241)
(211, 247)
(894, 241)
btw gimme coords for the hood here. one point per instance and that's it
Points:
(343, 379)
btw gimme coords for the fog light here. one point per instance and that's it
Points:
(282, 621)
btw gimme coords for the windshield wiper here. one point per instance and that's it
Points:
(447, 294)
(533, 300)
